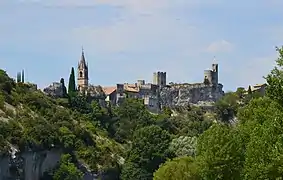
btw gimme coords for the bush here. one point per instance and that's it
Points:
(2, 101)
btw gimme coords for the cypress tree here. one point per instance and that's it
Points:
(23, 76)
(62, 81)
(72, 83)
(249, 90)
(18, 77)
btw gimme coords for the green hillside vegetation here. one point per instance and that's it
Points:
(240, 139)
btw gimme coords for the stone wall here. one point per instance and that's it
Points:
(184, 95)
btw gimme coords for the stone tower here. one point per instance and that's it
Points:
(215, 74)
(82, 73)
(159, 78)
(211, 75)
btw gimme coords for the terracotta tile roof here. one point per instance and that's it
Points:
(108, 90)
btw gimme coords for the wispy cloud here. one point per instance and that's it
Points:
(220, 46)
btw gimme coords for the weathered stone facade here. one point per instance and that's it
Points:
(54, 90)
(190, 94)
(148, 92)
(157, 94)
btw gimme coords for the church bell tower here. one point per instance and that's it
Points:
(82, 73)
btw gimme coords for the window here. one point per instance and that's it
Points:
(81, 74)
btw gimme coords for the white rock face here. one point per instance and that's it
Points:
(196, 94)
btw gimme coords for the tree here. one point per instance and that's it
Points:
(227, 106)
(132, 171)
(67, 170)
(2, 101)
(149, 149)
(274, 88)
(264, 150)
(132, 114)
(240, 92)
(19, 76)
(72, 83)
(220, 153)
(62, 81)
(250, 91)
(183, 168)
(183, 146)
(6, 83)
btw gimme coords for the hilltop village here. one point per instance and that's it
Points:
(155, 95)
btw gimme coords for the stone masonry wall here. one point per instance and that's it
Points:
(199, 94)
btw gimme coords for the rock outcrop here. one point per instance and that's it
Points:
(190, 94)
(28, 165)
(31, 165)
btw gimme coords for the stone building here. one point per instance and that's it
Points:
(259, 88)
(82, 74)
(211, 75)
(201, 94)
(148, 92)
(159, 78)
(158, 94)
(54, 90)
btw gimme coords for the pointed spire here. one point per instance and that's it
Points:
(82, 63)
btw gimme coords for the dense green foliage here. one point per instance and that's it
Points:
(67, 170)
(182, 168)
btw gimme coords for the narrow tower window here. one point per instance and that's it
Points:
(81, 74)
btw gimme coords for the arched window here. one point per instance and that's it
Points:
(81, 74)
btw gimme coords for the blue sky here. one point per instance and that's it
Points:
(126, 40)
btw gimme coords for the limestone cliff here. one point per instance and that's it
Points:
(28, 165)
(31, 165)
(190, 94)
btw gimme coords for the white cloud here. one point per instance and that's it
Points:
(220, 46)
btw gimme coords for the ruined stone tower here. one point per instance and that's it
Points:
(82, 73)
(211, 75)
(159, 78)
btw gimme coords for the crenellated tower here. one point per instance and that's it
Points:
(82, 73)
(159, 78)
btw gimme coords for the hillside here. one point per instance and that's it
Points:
(33, 122)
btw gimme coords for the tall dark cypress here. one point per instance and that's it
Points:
(62, 81)
(23, 76)
(72, 83)
(249, 90)
(18, 77)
